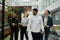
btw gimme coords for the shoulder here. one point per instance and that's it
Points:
(30, 16)
(50, 17)
(40, 16)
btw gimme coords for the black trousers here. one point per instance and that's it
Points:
(15, 35)
(37, 36)
(23, 31)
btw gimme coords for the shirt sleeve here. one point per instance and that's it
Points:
(42, 27)
(29, 24)
(21, 20)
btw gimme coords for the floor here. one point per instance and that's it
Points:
(7, 38)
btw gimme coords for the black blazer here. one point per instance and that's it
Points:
(14, 28)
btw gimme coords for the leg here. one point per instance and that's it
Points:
(46, 36)
(38, 36)
(11, 37)
(41, 36)
(16, 35)
(34, 36)
(26, 35)
(21, 34)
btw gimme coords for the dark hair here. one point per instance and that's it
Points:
(48, 11)
(35, 9)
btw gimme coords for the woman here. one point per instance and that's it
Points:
(24, 23)
(14, 27)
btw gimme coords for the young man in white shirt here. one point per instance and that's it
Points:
(35, 25)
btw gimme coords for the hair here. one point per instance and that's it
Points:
(27, 15)
(48, 11)
(35, 9)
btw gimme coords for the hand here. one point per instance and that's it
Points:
(43, 32)
(46, 26)
(13, 24)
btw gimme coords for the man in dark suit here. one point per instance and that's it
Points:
(48, 23)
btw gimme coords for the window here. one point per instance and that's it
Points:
(56, 17)
(0, 1)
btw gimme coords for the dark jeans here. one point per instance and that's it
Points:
(46, 36)
(37, 36)
(23, 31)
(15, 35)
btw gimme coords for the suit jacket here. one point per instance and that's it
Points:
(14, 28)
(49, 22)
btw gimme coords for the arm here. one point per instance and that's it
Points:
(42, 27)
(29, 24)
(51, 23)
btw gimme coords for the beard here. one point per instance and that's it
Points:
(34, 13)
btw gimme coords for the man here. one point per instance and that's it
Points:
(14, 27)
(48, 23)
(35, 25)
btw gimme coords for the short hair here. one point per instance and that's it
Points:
(48, 11)
(35, 9)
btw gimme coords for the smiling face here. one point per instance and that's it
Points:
(35, 11)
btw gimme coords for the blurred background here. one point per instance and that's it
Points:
(19, 6)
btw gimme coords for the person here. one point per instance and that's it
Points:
(48, 23)
(35, 24)
(14, 27)
(24, 23)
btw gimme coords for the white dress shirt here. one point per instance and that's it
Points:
(24, 21)
(35, 24)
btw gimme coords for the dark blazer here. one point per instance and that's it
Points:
(49, 22)
(14, 28)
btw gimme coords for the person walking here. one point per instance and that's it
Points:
(23, 27)
(35, 25)
(14, 27)
(48, 23)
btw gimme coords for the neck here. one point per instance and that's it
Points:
(46, 15)
(25, 17)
